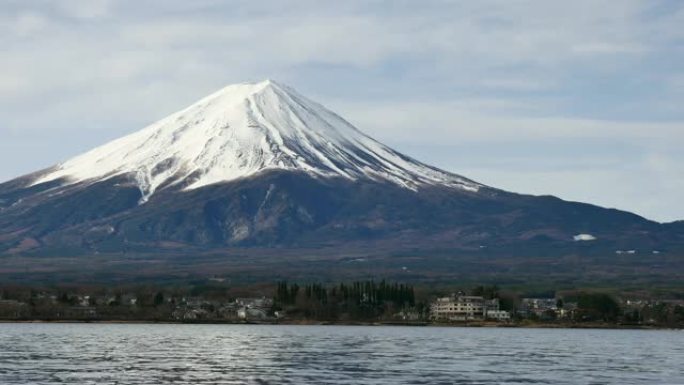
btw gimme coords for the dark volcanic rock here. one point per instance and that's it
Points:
(292, 209)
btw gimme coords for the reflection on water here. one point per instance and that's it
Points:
(237, 354)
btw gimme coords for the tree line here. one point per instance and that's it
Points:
(360, 300)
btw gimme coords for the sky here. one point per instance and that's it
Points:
(579, 99)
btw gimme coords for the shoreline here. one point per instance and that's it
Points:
(492, 325)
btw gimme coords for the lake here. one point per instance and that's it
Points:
(259, 354)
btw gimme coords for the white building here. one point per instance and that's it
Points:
(458, 308)
(498, 315)
(465, 308)
(247, 313)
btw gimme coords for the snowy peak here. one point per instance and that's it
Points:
(244, 129)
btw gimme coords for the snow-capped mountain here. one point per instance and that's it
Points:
(260, 167)
(240, 131)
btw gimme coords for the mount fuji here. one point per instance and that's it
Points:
(259, 168)
(243, 130)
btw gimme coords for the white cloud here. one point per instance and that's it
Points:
(512, 74)
(522, 84)
(608, 48)
(494, 121)
(28, 24)
(84, 9)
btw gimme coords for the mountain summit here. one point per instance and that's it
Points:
(256, 170)
(240, 131)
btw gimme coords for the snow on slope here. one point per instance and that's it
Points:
(244, 129)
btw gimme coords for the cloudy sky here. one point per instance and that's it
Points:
(580, 99)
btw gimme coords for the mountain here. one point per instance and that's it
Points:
(241, 131)
(260, 168)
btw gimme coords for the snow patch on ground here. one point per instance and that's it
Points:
(584, 237)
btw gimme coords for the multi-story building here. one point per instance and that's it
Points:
(458, 308)
(465, 308)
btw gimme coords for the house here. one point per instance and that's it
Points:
(492, 311)
(491, 305)
(567, 311)
(228, 311)
(246, 313)
(193, 302)
(407, 315)
(280, 314)
(83, 300)
(498, 315)
(129, 299)
(187, 314)
(262, 302)
(253, 308)
(540, 307)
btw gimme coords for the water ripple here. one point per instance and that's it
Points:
(247, 354)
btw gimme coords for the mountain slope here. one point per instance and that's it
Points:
(258, 166)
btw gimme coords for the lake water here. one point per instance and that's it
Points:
(253, 354)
